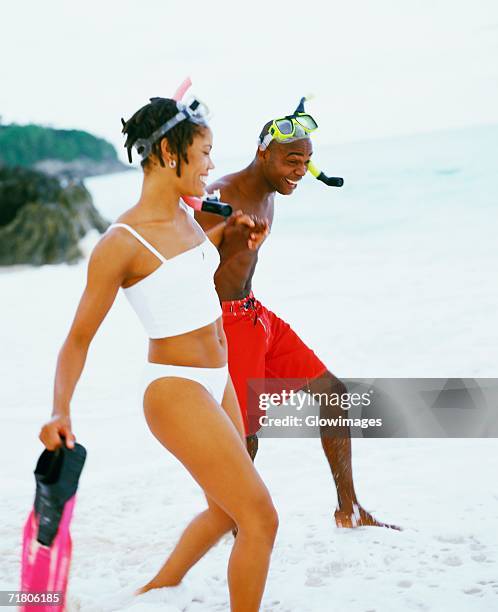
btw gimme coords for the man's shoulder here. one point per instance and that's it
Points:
(225, 183)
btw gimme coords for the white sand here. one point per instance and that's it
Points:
(390, 302)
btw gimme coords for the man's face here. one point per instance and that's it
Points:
(285, 164)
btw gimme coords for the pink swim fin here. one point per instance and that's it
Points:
(47, 545)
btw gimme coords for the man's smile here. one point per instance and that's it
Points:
(293, 184)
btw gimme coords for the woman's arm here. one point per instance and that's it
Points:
(106, 272)
(215, 234)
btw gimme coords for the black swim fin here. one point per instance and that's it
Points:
(57, 474)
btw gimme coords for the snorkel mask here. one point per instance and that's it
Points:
(209, 202)
(195, 112)
(295, 127)
(289, 128)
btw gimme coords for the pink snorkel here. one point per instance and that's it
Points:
(211, 203)
(182, 89)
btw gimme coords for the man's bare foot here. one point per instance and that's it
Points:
(359, 517)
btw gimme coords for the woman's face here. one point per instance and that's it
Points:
(194, 175)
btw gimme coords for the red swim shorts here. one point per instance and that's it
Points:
(261, 346)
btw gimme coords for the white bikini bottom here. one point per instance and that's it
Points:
(214, 380)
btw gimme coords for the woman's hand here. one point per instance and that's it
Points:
(52, 432)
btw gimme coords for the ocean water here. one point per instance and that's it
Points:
(435, 165)
(431, 185)
(392, 274)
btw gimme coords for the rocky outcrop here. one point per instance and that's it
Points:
(42, 222)
(45, 209)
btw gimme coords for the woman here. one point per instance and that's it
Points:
(161, 258)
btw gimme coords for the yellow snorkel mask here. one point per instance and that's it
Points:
(294, 127)
(289, 128)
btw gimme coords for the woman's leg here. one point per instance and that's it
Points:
(199, 536)
(186, 420)
(206, 528)
(204, 531)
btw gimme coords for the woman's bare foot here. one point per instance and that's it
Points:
(143, 589)
(154, 585)
(147, 587)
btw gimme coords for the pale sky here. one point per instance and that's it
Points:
(376, 67)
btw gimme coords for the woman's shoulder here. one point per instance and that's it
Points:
(116, 242)
(133, 222)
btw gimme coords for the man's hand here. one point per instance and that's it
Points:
(259, 228)
(359, 517)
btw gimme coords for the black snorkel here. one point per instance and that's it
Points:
(212, 204)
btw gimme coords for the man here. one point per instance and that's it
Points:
(260, 344)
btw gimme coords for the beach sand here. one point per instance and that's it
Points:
(377, 289)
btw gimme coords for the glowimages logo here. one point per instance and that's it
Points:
(314, 420)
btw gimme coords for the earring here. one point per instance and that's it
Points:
(172, 163)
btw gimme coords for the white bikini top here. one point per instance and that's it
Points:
(180, 295)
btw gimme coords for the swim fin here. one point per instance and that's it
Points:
(47, 545)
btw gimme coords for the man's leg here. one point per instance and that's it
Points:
(336, 444)
(289, 358)
(246, 355)
(252, 445)
(336, 441)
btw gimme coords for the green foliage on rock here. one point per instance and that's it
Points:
(24, 145)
